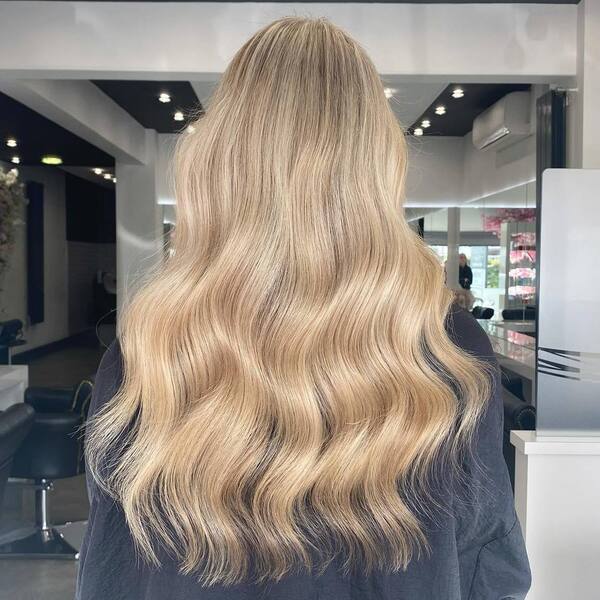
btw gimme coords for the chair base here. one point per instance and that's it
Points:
(44, 543)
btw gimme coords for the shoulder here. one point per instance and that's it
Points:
(108, 376)
(464, 330)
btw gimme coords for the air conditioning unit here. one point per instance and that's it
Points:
(503, 123)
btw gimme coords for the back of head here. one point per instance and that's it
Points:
(288, 381)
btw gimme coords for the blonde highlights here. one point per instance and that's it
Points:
(289, 386)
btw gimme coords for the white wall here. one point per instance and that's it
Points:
(583, 117)
(194, 40)
(451, 171)
(84, 260)
(165, 149)
(13, 299)
(435, 171)
(139, 219)
(490, 172)
(470, 220)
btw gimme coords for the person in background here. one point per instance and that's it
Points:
(465, 275)
(294, 409)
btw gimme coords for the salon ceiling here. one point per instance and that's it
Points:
(411, 102)
(141, 99)
(36, 136)
(459, 114)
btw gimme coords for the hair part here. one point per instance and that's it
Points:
(289, 386)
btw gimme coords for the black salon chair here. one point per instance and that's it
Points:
(52, 450)
(526, 313)
(15, 423)
(482, 312)
(518, 415)
(513, 383)
(11, 336)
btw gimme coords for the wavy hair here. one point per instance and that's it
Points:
(289, 386)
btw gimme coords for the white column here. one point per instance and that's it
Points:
(557, 497)
(139, 220)
(583, 124)
(453, 247)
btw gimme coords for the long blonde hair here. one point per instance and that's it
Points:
(289, 385)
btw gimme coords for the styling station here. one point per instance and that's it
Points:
(556, 466)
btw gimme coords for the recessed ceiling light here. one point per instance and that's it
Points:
(16, 160)
(164, 97)
(107, 176)
(389, 92)
(11, 143)
(440, 110)
(425, 123)
(418, 131)
(98, 171)
(178, 116)
(458, 93)
(114, 180)
(52, 159)
(190, 129)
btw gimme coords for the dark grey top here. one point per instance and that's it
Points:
(477, 550)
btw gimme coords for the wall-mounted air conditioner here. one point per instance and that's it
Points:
(503, 123)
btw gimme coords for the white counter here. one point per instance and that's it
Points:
(557, 495)
(13, 383)
(514, 350)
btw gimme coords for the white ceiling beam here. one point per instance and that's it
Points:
(81, 108)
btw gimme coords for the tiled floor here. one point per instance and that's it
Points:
(48, 579)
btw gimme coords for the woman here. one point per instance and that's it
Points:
(465, 274)
(293, 411)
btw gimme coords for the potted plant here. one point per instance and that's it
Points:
(12, 201)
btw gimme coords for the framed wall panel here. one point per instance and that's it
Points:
(35, 252)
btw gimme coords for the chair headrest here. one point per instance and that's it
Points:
(10, 330)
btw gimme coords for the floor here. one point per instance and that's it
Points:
(69, 365)
(48, 579)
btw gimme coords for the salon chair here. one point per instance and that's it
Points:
(482, 312)
(526, 313)
(11, 336)
(15, 423)
(518, 415)
(52, 450)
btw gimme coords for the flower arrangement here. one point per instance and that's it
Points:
(493, 223)
(12, 201)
